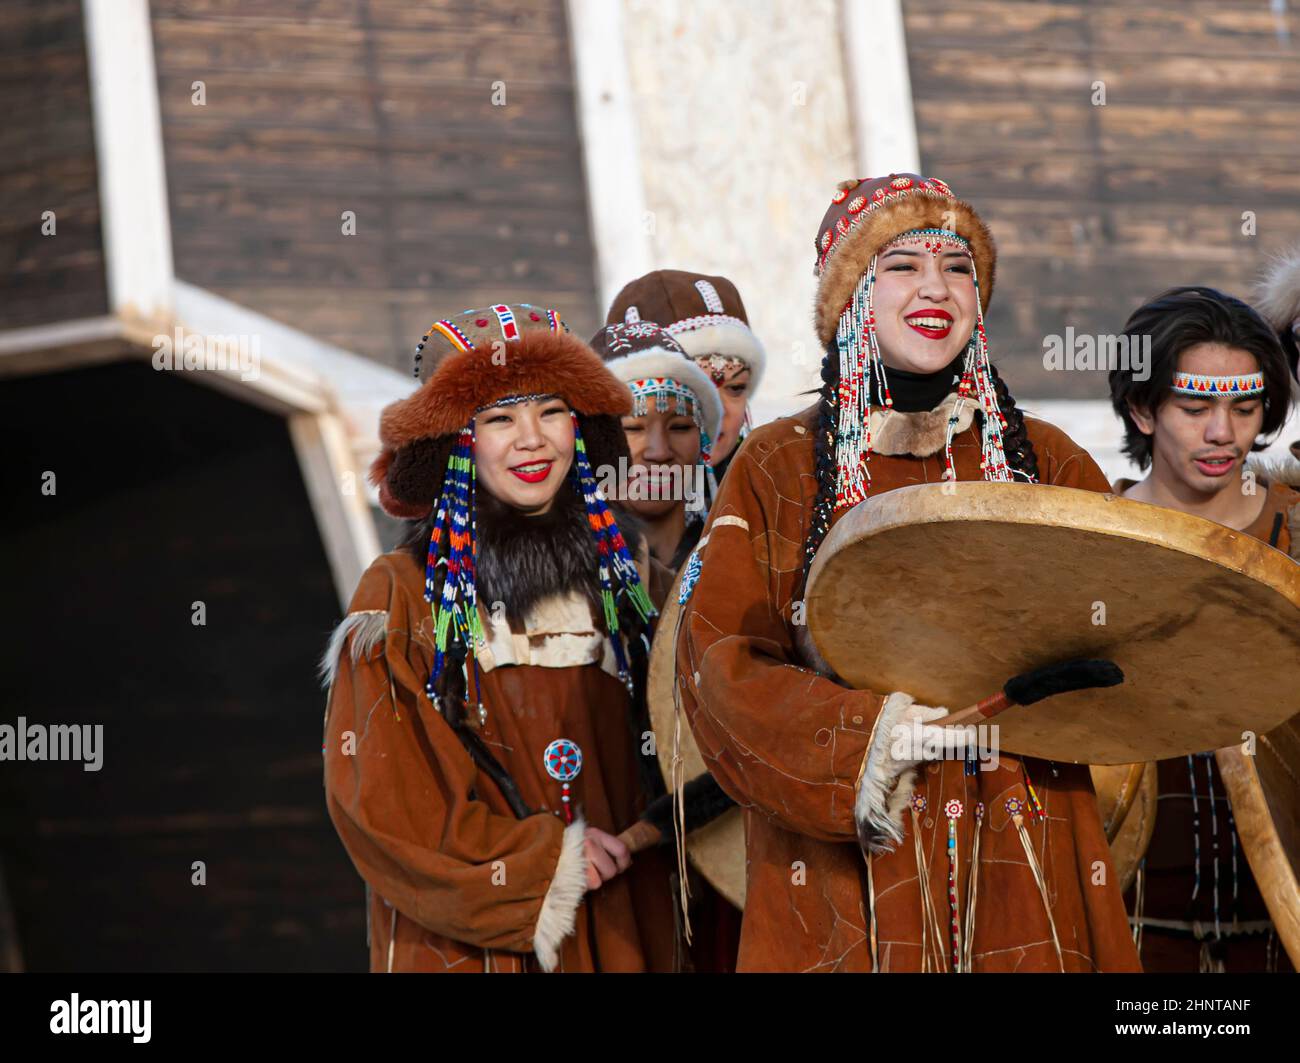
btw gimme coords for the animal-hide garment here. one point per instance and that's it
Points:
(790, 746)
(456, 881)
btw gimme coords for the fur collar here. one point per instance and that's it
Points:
(918, 434)
(1282, 468)
(523, 560)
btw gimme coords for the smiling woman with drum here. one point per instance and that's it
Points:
(827, 773)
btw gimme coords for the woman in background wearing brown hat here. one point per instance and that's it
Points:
(676, 415)
(706, 316)
(909, 396)
(487, 687)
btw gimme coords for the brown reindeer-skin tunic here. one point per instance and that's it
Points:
(789, 743)
(455, 881)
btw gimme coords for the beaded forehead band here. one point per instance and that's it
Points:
(515, 400)
(1203, 386)
(936, 241)
(662, 389)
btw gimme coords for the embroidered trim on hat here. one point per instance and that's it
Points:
(631, 315)
(882, 196)
(712, 303)
(690, 324)
(506, 317)
(554, 319)
(1199, 384)
(452, 334)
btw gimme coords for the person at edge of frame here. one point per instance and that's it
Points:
(1217, 387)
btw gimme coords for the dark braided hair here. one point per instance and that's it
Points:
(1015, 440)
(824, 460)
(1016, 443)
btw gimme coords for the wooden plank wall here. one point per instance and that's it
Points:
(1096, 208)
(47, 163)
(382, 107)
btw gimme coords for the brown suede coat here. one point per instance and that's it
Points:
(788, 743)
(455, 881)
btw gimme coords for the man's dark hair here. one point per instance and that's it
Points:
(1181, 318)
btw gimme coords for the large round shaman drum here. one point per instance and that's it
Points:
(964, 585)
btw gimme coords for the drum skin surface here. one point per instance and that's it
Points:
(946, 591)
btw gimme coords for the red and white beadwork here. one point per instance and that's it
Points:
(506, 319)
(563, 761)
(712, 301)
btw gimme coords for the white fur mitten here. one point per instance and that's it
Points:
(902, 734)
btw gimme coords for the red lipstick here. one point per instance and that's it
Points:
(533, 472)
(932, 324)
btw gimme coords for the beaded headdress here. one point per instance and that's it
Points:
(469, 363)
(658, 370)
(865, 218)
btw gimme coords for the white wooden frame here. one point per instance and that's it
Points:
(610, 145)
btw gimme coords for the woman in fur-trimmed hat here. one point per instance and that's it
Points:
(676, 416)
(706, 316)
(905, 270)
(487, 687)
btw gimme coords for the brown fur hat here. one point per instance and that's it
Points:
(703, 313)
(865, 215)
(470, 361)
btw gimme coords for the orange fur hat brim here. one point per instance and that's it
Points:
(538, 363)
(853, 252)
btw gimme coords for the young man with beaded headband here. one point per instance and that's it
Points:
(905, 271)
(487, 687)
(1218, 385)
